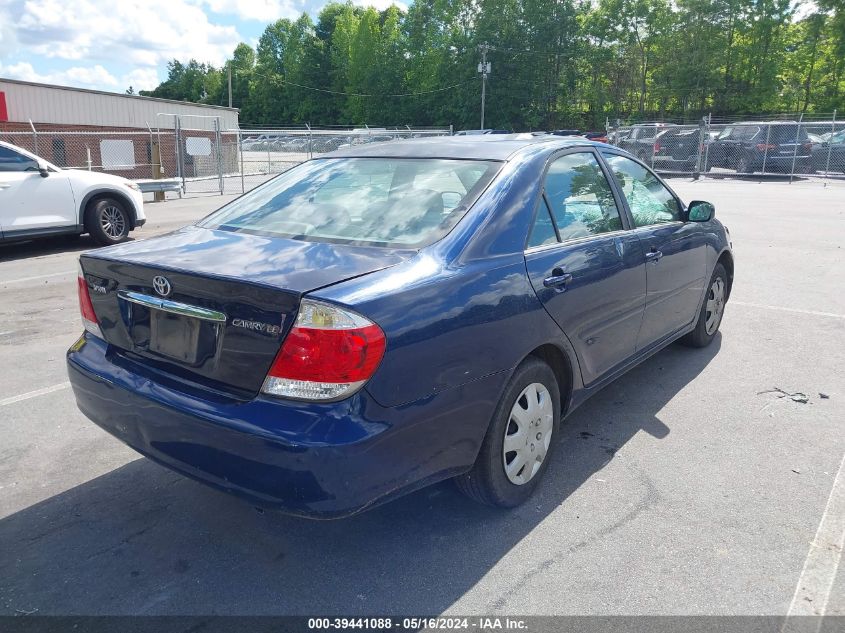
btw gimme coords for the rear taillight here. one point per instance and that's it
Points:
(656, 146)
(86, 308)
(329, 353)
(766, 147)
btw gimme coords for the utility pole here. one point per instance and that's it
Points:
(484, 68)
(229, 65)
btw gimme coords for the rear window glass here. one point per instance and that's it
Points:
(374, 201)
(787, 133)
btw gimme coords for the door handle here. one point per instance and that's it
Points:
(4, 185)
(558, 279)
(653, 256)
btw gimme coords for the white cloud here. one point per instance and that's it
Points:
(261, 10)
(88, 76)
(134, 32)
(268, 11)
(141, 79)
(117, 43)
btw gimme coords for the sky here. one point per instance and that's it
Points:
(113, 44)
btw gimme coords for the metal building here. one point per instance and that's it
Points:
(54, 107)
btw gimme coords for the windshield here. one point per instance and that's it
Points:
(374, 201)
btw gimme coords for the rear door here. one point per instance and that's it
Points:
(674, 250)
(585, 266)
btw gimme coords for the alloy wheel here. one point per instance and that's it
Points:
(113, 222)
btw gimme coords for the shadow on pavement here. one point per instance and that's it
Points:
(47, 246)
(143, 540)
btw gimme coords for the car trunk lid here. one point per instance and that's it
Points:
(211, 308)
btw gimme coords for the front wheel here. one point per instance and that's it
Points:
(107, 221)
(712, 310)
(515, 452)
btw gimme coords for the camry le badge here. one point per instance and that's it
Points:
(162, 286)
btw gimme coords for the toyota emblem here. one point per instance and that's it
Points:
(161, 285)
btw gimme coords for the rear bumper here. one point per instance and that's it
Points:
(319, 461)
(779, 162)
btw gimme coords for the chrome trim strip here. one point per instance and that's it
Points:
(174, 307)
(576, 240)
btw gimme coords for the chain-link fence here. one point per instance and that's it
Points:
(266, 152)
(131, 154)
(194, 154)
(798, 147)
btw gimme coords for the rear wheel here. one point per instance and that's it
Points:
(107, 221)
(712, 310)
(743, 166)
(515, 451)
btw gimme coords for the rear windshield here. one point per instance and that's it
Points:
(787, 133)
(399, 202)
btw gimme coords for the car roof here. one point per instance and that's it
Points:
(479, 147)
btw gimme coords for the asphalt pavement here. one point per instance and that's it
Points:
(692, 485)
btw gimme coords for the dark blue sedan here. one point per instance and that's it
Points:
(392, 315)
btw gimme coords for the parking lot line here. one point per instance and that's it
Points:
(763, 306)
(33, 394)
(820, 567)
(18, 281)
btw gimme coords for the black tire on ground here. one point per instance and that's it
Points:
(700, 337)
(107, 221)
(487, 481)
(743, 166)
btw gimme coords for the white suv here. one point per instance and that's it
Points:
(39, 199)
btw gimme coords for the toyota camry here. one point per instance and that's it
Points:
(391, 315)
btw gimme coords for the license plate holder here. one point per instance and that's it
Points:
(174, 336)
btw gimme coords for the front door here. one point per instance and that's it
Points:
(28, 201)
(587, 270)
(675, 251)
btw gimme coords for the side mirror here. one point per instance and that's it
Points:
(700, 211)
(42, 169)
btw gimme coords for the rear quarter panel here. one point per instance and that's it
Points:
(447, 327)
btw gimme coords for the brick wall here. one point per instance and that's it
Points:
(126, 151)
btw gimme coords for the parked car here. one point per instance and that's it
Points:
(829, 155)
(569, 132)
(329, 144)
(598, 137)
(767, 146)
(391, 315)
(39, 199)
(616, 136)
(640, 140)
(677, 149)
(476, 132)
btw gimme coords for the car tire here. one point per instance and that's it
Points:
(712, 310)
(488, 482)
(107, 221)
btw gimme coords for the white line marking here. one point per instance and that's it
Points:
(819, 572)
(782, 309)
(18, 281)
(33, 394)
